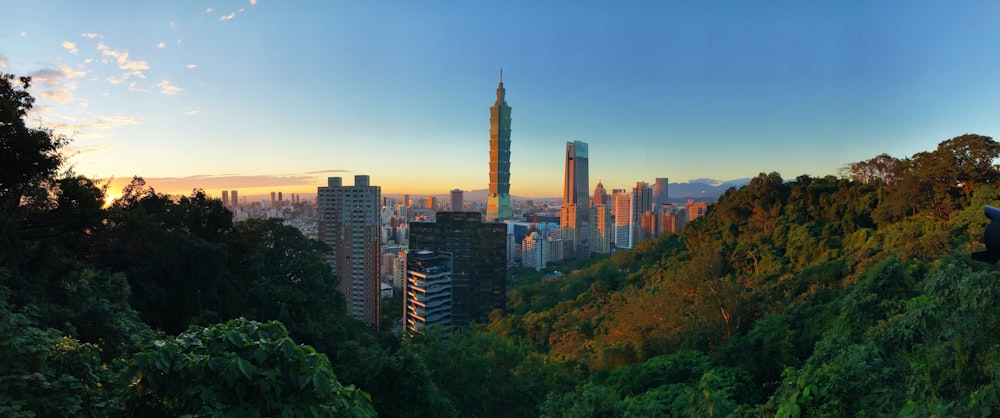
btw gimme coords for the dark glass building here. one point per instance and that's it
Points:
(479, 261)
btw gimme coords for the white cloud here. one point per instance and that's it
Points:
(133, 86)
(169, 89)
(192, 111)
(69, 73)
(24, 34)
(253, 2)
(242, 9)
(161, 45)
(190, 66)
(113, 80)
(88, 60)
(62, 96)
(3, 61)
(228, 16)
(71, 47)
(122, 58)
(89, 35)
(209, 10)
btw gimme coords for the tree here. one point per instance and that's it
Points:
(241, 368)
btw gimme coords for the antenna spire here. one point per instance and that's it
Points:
(501, 75)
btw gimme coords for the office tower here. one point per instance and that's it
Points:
(622, 208)
(427, 290)
(660, 188)
(642, 202)
(280, 198)
(498, 204)
(575, 213)
(600, 196)
(274, 201)
(236, 198)
(349, 223)
(576, 184)
(457, 205)
(602, 228)
(479, 254)
(406, 200)
(225, 198)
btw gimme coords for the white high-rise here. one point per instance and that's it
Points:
(349, 222)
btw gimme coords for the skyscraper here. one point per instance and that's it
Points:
(349, 223)
(498, 204)
(576, 185)
(457, 204)
(225, 198)
(642, 202)
(600, 196)
(575, 214)
(622, 211)
(427, 292)
(236, 198)
(660, 188)
(479, 253)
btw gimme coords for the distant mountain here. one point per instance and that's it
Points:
(703, 189)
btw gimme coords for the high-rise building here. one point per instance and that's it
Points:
(642, 202)
(575, 214)
(660, 187)
(427, 290)
(602, 229)
(498, 203)
(576, 184)
(432, 202)
(622, 211)
(479, 253)
(274, 200)
(534, 251)
(236, 198)
(696, 209)
(349, 223)
(457, 203)
(600, 196)
(225, 198)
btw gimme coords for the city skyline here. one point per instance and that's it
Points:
(258, 96)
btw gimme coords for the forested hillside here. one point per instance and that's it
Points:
(851, 296)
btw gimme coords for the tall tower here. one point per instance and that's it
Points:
(575, 214)
(349, 223)
(577, 184)
(660, 193)
(498, 205)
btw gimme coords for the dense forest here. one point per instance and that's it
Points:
(836, 296)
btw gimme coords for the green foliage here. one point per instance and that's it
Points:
(241, 368)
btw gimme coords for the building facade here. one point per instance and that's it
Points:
(457, 201)
(498, 206)
(575, 212)
(349, 222)
(479, 252)
(427, 290)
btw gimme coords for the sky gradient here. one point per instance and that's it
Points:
(229, 95)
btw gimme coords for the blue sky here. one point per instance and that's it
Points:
(279, 95)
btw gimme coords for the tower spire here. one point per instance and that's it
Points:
(501, 75)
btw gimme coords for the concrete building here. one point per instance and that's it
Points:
(479, 251)
(660, 192)
(602, 228)
(498, 206)
(695, 209)
(534, 251)
(427, 291)
(457, 203)
(622, 212)
(600, 196)
(349, 222)
(642, 202)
